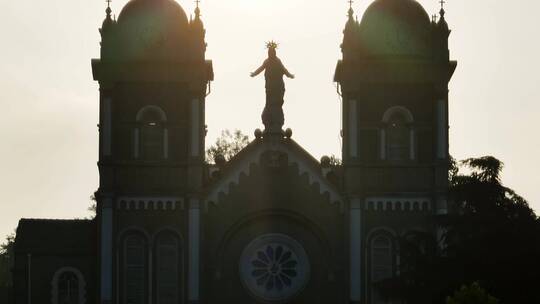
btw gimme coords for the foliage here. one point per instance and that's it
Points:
(5, 251)
(4, 247)
(93, 207)
(335, 161)
(473, 294)
(227, 145)
(491, 236)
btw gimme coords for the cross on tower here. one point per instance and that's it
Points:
(197, 2)
(108, 3)
(442, 2)
(350, 3)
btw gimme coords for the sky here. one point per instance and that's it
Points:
(49, 136)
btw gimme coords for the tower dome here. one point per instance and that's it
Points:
(150, 29)
(395, 27)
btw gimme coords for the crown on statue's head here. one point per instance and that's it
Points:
(272, 45)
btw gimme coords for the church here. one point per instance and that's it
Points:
(273, 224)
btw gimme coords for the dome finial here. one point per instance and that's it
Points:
(108, 10)
(351, 11)
(442, 2)
(197, 9)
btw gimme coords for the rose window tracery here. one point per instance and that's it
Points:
(274, 267)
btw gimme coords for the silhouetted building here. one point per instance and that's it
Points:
(272, 225)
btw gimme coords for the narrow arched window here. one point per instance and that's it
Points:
(397, 147)
(134, 270)
(381, 264)
(398, 135)
(68, 288)
(151, 134)
(167, 269)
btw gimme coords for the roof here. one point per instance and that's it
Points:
(47, 236)
(240, 165)
(395, 27)
(150, 30)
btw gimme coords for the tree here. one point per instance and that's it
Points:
(6, 249)
(93, 207)
(227, 145)
(473, 294)
(335, 161)
(492, 236)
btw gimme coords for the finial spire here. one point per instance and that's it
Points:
(108, 10)
(442, 2)
(351, 11)
(197, 9)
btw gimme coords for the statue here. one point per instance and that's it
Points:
(272, 115)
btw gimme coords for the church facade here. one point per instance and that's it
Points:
(273, 224)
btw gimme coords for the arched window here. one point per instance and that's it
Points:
(397, 140)
(68, 287)
(134, 270)
(168, 269)
(151, 135)
(381, 264)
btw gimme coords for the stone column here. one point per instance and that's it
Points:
(442, 129)
(106, 126)
(355, 245)
(353, 128)
(194, 250)
(195, 135)
(106, 249)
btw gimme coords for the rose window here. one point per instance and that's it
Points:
(274, 267)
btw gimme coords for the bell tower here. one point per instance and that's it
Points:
(153, 77)
(394, 78)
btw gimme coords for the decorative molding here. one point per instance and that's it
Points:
(150, 203)
(389, 204)
(243, 168)
(380, 230)
(80, 278)
(390, 112)
(162, 115)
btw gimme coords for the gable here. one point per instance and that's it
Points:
(254, 154)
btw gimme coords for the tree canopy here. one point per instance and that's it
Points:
(227, 145)
(473, 294)
(491, 236)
